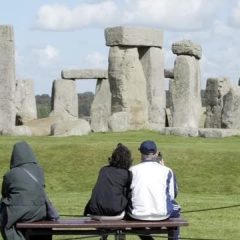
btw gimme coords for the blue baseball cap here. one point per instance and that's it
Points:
(148, 147)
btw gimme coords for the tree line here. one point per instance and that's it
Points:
(85, 100)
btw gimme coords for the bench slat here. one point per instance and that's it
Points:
(107, 224)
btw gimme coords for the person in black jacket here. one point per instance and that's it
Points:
(23, 199)
(110, 193)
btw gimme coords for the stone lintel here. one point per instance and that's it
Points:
(187, 47)
(84, 74)
(133, 36)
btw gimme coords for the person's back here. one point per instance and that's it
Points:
(153, 189)
(110, 193)
(23, 199)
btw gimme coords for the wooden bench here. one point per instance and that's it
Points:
(89, 227)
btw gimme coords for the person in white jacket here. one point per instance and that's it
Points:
(153, 189)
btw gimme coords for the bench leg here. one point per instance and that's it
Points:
(173, 234)
(120, 236)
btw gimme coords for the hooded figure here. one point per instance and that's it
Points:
(23, 199)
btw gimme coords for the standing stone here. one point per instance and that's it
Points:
(231, 109)
(7, 78)
(169, 104)
(216, 89)
(101, 106)
(64, 99)
(186, 87)
(153, 67)
(128, 89)
(25, 101)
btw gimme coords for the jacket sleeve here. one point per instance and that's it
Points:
(173, 187)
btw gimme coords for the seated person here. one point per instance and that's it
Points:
(110, 193)
(153, 189)
(23, 199)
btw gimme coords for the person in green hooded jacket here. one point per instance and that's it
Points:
(23, 198)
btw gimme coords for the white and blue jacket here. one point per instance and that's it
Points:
(153, 190)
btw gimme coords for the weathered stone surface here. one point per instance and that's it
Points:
(7, 78)
(216, 89)
(186, 89)
(101, 107)
(231, 109)
(18, 131)
(186, 132)
(133, 36)
(85, 74)
(64, 99)
(217, 133)
(152, 64)
(42, 127)
(168, 73)
(71, 128)
(128, 88)
(119, 122)
(25, 101)
(187, 47)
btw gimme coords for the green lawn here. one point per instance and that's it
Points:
(207, 171)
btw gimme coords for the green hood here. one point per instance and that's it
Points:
(22, 154)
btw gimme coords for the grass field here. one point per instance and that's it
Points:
(207, 171)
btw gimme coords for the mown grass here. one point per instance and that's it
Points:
(207, 171)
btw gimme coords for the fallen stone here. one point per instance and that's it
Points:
(18, 131)
(186, 132)
(217, 133)
(71, 128)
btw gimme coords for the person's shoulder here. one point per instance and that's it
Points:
(139, 165)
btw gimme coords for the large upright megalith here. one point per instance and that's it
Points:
(128, 89)
(186, 89)
(136, 78)
(64, 99)
(231, 109)
(153, 67)
(7, 78)
(216, 89)
(26, 109)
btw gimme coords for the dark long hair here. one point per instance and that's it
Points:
(121, 157)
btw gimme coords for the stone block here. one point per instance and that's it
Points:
(168, 73)
(133, 36)
(185, 91)
(216, 89)
(64, 99)
(25, 100)
(217, 133)
(84, 74)
(101, 107)
(187, 47)
(128, 86)
(231, 109)
(7, 78)
(151, 59)
(186, 132)
(71, 128)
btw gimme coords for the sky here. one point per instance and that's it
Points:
(51, 36)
